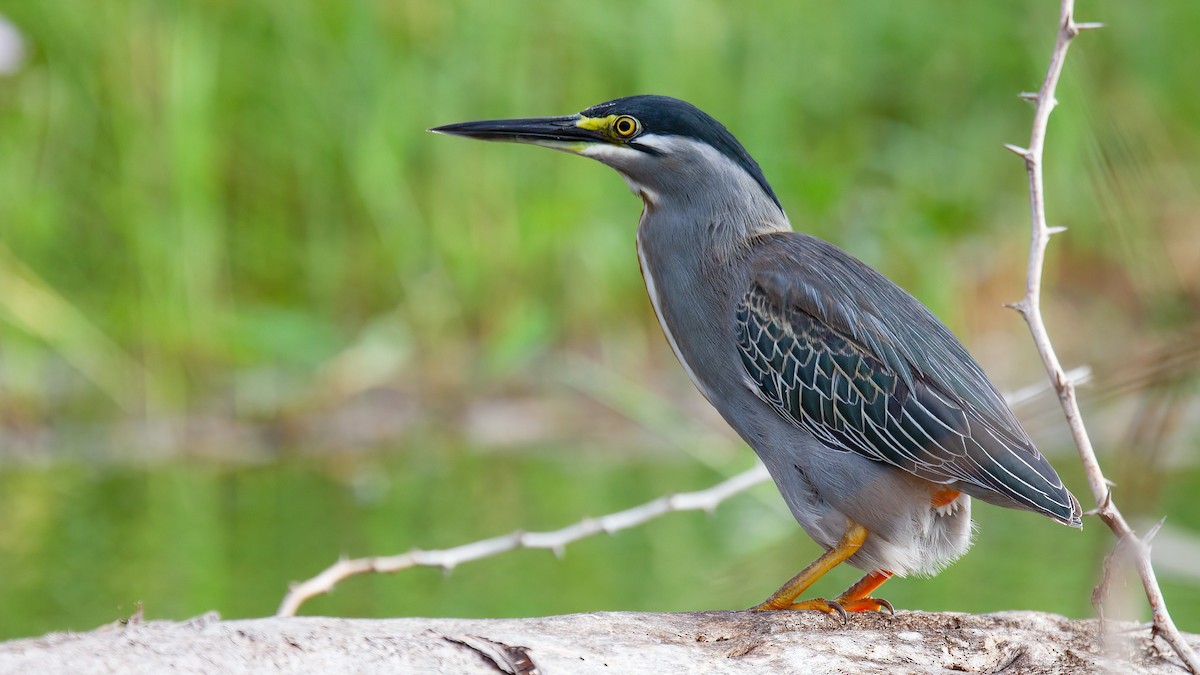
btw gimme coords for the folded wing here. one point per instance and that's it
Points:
(844, 353)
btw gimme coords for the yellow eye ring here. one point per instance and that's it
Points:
(626, 127)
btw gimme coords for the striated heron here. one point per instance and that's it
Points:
(874, 421)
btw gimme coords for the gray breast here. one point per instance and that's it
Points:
(695, 295)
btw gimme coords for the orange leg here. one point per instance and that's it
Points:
(785, 598)
(857, 597)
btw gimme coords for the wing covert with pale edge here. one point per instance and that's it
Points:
(842, 352)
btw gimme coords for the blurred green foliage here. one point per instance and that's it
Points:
(233, 206)
(205, 187)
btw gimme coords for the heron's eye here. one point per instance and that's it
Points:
(626, 127)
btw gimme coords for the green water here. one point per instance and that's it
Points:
(80, 545)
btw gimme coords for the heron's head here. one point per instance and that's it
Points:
(661, 145)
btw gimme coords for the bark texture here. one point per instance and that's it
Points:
(607, 642)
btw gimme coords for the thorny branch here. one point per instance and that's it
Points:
(1030, 308)
(702, 500)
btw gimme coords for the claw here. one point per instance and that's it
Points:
(869, 605)
(822, 605)
(837, 606)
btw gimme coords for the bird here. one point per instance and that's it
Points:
(875, 423)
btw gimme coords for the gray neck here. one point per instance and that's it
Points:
(700, 201)
(702, 214)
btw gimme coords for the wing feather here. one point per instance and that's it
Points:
(840, 351)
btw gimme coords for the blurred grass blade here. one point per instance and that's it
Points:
(31, 304)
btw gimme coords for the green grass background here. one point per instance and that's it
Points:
(231, 210)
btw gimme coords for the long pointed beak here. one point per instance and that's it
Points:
(559, 133)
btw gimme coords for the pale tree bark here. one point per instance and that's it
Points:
(616, 642)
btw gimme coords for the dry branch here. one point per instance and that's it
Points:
(701, 500)
(1030, 309)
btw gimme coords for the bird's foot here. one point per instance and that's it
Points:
(830, 607)
(841, 607)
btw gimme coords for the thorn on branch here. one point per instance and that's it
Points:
(1061, 380)
(1031, 96)
(1057, 229)
(1104, 503)
(1091, 25)
(1017, 150)
(1020, 306)
(1150, 534)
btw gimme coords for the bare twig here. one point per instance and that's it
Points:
(1030, 309)
(701, 500)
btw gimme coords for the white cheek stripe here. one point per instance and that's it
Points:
(607, 151)
(652, 290)
(616, 156)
